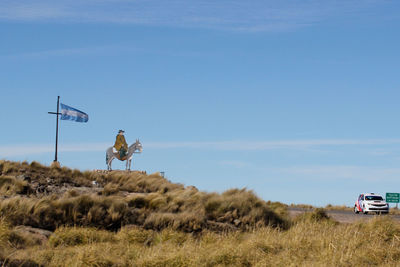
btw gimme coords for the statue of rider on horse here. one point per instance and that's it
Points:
(121, 151)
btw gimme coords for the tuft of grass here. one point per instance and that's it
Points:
(241, 207)
(136, 235)
(317, 215)
(73, 236)
(110, 189)
(169, 235)
(8, 167)
(10, 185)
(4, 234)
(185, 221)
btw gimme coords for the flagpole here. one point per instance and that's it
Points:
(58, 109)
(68, 113)
(56, 113)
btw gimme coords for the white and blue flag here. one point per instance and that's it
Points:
(72, 114)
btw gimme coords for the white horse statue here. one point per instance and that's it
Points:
(137, 146)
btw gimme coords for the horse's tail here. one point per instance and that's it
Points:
(106, 157)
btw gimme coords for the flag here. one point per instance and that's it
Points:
(72, 114)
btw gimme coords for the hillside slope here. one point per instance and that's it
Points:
(134, 219)
(50, 197)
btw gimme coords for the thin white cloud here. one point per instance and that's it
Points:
(343, 172)
(268, 145)
(19, 150)
(333, 172)
(30, 149)
(258, 15)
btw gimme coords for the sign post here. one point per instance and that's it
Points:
(393, 198)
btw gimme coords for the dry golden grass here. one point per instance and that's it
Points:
(394, 210)
(73, 236)
(133, 219)
(308, 242)
(9, 186)
(51, 197)
(302, 206)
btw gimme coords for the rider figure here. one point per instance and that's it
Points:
(120, 145)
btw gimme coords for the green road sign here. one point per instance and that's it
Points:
(393, 197)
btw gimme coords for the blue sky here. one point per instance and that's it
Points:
(296, 100)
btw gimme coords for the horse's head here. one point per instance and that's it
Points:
(138, 146)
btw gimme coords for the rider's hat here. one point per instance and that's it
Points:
(121, 131)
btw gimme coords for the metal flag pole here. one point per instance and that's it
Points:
(57, 114)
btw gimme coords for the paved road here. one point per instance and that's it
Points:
(342, 216)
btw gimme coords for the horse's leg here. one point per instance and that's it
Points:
(109, 163)
(107, 159)
(127, 166)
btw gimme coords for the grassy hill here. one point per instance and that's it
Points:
(53, 216)
(46, 197)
